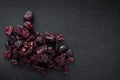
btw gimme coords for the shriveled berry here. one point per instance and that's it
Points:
(65, 69)
(28, 16)
(60, 37)
(50, 36)
(24, 32)
(40, 39)
(18, 43)
(41, 49)
(6, 54)
(22, 51)
(9, 30)
(69, 60)
(69, 52)
(28, 25)
(14, 62)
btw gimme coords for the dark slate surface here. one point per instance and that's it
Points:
(91, 29)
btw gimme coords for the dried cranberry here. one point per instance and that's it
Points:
(50, 36)
(69, 60)
(7, 54)
(28, 16)
(40, 39)
(60, 37)
(9, 30)
(65, 69)
(14, 62)
(28, 25)
(22, 51)
(69, 52)
(18, 43)
(25, 33)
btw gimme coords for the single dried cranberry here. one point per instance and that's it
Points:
(50, 36)
(61, 59)
(18, 43)
(22, 51)
(44, 58)
(14, 62)
(28, 16)
(40, 39)
(62, 48)
(69, 52)
(60, 37)
(69, 60)
(41, 49)
(25, 33)
(9, 30)
(28, 25)
(65, 69)
(31, 44)
(6, 54)
(25, 44)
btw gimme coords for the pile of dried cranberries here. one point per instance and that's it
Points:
(39, 51)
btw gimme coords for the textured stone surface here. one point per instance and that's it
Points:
(91, 29)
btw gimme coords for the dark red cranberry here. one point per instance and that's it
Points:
(14, 62)
(28, 25)
(60, 37)
(28, 16)
(50, 50)
(69, 52)
(62, 48)
(44, 58)
(22, 51)
(40, 39)
(65, 69)
(25, 33)
(41, 49)
(18, 43)
(9, 30)
(50, 36)
(6, 54)
(69, 60)
(25, 44)
(61, 59)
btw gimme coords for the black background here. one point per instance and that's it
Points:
(91, 29)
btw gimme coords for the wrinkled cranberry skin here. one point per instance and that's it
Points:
(28, 16)
(25, 33)
(18, 43)
(14, 62)
(28, 25)
(6, 54)
(69, 60)
(9, 30)
(60, 37)
(50, 36)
